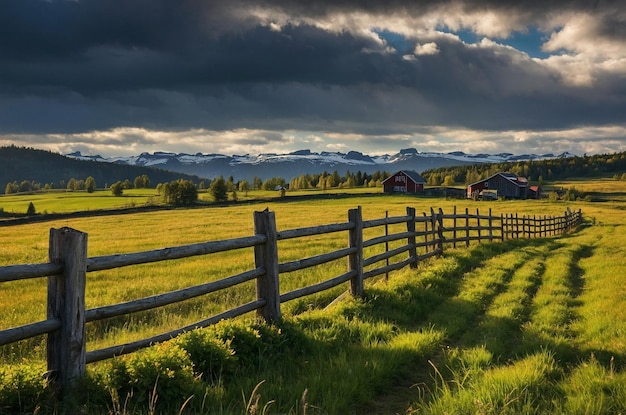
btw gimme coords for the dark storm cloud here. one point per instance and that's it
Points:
(73, 66)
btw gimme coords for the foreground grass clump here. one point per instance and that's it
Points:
(478, 387)
(297, 365)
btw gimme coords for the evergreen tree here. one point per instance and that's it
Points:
(31, 209)
(219, 190)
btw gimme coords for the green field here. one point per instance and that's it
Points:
(526, 326)
(62, 201)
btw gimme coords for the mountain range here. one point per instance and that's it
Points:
(301, 162)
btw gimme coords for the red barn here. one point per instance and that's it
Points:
(404, 181)
(506, 185)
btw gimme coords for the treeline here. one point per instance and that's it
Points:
(327, 180)
(602, 165)
(89, 184)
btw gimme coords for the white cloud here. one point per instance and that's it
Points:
(126, 141)
(429, 48)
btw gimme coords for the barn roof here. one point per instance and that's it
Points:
(413, 175)
(513, 178)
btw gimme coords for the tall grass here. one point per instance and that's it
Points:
(526, 326)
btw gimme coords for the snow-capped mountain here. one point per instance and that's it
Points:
(306, 162)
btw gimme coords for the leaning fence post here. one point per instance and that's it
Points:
(490, 222)
(355, 260)
(66, 302)
(410, 228)
(440, 230)
(266, 256)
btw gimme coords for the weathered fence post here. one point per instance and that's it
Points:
(440, 230)
(66, 302)
(410, 228)
(434, 230)
(502, 227)
(454, 228)
(266, 256)
(490, 222)
(355, 260)
(478, 225)
(425, 231)
(386, 244)
(467, 232)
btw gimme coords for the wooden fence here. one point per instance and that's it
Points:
(421, 237)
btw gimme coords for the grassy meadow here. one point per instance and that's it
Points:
(526, 326)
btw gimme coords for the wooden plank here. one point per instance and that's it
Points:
(26, 271)
(315, 260)
(109, 352)
(185, 251)
(389, 268)
(393, 237)
(388, 254)
(27, 331)
(386, 221)
(171, 297)
(313, 230)
(319, 287)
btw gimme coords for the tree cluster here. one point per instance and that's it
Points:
(538, 171)
(327, 180)
(180, 192)
(88, 184)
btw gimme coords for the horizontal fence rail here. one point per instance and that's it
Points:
(421, 237)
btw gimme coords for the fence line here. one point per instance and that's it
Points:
(68, 266)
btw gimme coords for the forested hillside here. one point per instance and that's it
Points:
(18, 164)
(602, 165)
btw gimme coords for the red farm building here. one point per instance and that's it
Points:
(506, 185)
(404, 181)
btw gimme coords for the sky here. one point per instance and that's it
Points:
(122, 77)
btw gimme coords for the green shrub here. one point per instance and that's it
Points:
(22, 387)
(211, 357)
(161, 374)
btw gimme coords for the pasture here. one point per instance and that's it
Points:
(526, 326)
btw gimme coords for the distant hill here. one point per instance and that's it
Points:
(44, 167)
(300, 162)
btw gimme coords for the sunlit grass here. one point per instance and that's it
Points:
(74, 201)
(526, 326)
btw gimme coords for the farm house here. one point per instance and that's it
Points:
(404, 181)
(507, 185)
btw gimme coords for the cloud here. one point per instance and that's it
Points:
(429, 48)
(243, 76)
